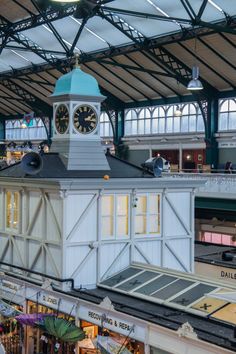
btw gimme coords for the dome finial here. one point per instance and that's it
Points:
(77, 66)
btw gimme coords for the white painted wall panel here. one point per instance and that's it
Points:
(33, 263)
(53, 217)
(87, 276)
(109, 253)
(137, 257)
(180, 250)
(19, 252)
(169, 261)
(5, 253)
(152, 251)
(36, 215)
(75, 206)
(181, 201)
(87, 228)
(172, 226)
(53, 260)
(74, 256)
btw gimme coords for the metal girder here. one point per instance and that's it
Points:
(147, 15)
(24, 49)
(30, 45)
(131, 67)
(52, 28)
(78, 35)
(34, 102)
(162, 56)
(37, 20)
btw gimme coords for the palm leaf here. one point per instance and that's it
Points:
(49, 325)
(74, 335)
(62, 329)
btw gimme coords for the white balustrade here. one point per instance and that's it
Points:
(216, 186)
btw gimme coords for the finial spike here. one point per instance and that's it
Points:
(77, 66)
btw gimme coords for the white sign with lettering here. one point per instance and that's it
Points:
(226, 144)
(49, 300)
(9, 286)
(116, 324)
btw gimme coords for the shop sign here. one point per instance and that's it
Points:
(227, 144)
(115, 324)
(9, 286)
(221, 273)
(49, 300)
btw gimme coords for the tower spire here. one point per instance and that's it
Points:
(77, 61)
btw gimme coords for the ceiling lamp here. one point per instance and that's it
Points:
(85, 9)
(195, 83)
(178, 111)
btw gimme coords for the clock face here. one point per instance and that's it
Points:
(85, 119)
(62, 119)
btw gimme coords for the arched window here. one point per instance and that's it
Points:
(131, 122)
(227, 115)
(19, 129)
(164, 120)
(105, 125)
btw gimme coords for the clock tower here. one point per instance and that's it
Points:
(76, 126)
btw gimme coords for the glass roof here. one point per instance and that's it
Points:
(183, 291)
(99, 33)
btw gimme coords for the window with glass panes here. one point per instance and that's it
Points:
(18, 130)
(227, 114)
(114, 216)
(105, 125)
(162, 120)
(147, 214)
(12, 209)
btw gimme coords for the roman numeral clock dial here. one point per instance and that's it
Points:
(85, 119)
(62, 119)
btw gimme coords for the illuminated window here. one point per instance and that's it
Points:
(147, 218)
(115, 216)
(19, 129)
(163, 120)
(105, 126)
(227, 114)
(12, 210)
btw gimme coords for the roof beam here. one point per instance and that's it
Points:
(34, 102)
(131, 67)
(30, 45)
(162, 56)
(38, 20)
(52, 28)
(147, 15)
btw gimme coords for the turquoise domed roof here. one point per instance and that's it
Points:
(77, 82)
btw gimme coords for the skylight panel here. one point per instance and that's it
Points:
(64, 40)
(89, 30)
(19, 55)
(216, 6)
(163, 12)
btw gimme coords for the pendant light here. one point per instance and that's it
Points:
(178, 111)
(195, 84)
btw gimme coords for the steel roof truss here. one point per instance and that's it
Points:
(52, 28)
(34, 102)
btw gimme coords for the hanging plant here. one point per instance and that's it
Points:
(61, 329)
